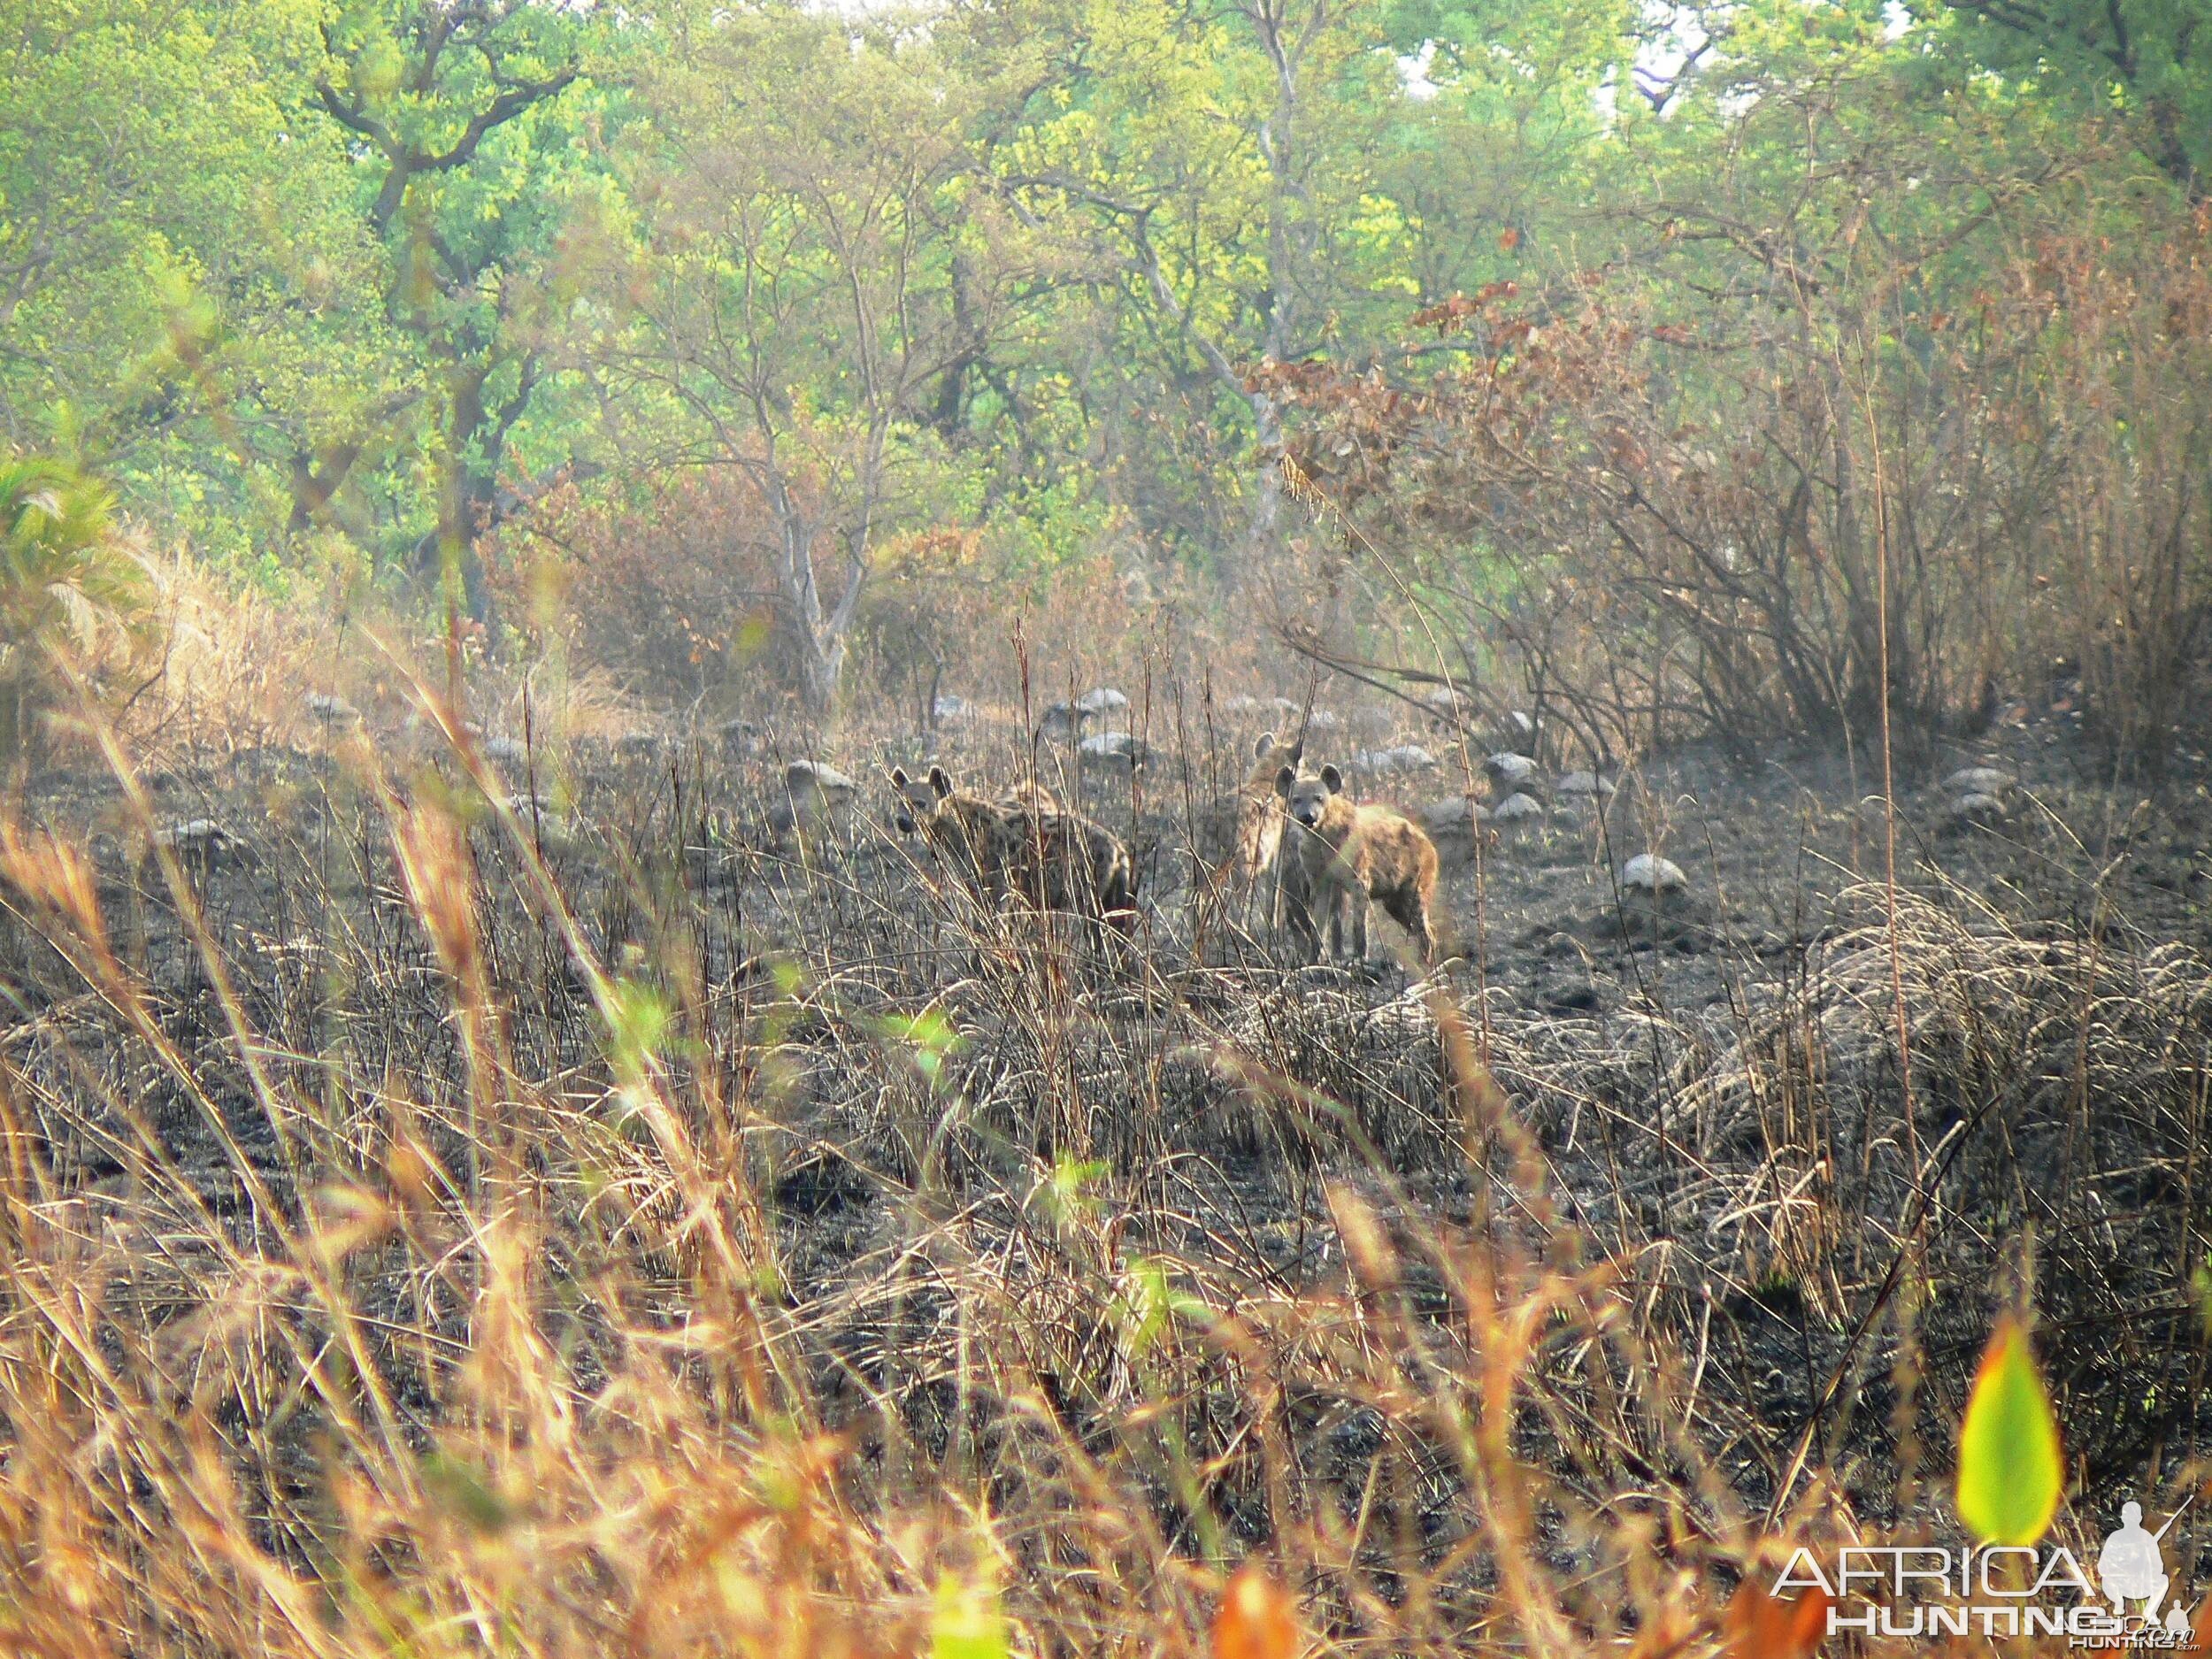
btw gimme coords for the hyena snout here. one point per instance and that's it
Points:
(1306, 795)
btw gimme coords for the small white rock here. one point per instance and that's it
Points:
(1458, 814)
(1971, 780)
(1979, 808)
(808, 777)
(1062, 720)
(1448, 706)
(1648, 873)
(1517, 808)
(201, 843)
(1101, 700)
(1510, 770)
(1404, 757)
(1584, 783)
(1123, 747)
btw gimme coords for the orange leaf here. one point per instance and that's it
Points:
(1760, 1627)
(1258, 1619)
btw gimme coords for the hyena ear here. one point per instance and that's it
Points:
(1263, 746)
(939, 783)
(898, 779)
(1334, 779)
(1284, 779)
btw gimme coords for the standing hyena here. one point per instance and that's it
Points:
(1055, 860)
(1347, 854)
(1242, 834)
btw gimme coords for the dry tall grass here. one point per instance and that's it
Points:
(491, 1214)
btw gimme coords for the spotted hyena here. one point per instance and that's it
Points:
(1241, 835)
(1260, 808)
(1342, 854)
(1055, 860)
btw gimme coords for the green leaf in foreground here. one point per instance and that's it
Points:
(2010, 1469)
(968, 1624)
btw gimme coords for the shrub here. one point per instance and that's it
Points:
(670, 593)
(69, 583)
(1736, 496)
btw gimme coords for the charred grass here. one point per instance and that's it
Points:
(483, 1209)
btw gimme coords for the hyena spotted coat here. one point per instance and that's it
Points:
(1055, 860)
(1347, 855)
(1241, 837)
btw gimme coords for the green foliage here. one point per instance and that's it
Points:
(67, 581)
(358, 281)
(2011, 1474)
(966, 1623)
(2150, 61)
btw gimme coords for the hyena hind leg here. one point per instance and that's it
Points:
(1405, 907)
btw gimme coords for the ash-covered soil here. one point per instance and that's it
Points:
(1717, 1101)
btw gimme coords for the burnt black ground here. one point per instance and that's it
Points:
(1645, 1050)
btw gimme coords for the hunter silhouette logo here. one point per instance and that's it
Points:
(2007, 1590)
(2131, 1567)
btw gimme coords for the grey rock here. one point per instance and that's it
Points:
(1648, 873)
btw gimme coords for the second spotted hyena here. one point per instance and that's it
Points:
(1260, 808)
(1240, 838)
(1056, 859)
(1347, 855)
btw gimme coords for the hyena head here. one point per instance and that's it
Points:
(1270, 755)
(920, 802)
(1306, 796)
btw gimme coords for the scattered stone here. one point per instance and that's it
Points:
(1122, 749)
(201, 844)
(332, 710)
(1972, 780)
(1584, 783)
(1063, 721)
(1519, 809)
(1984, 809)
(1648, 873)
(814, 776)
(503, 751)
(950, 709)
(1101, 702)
(527, 807)
(1458, 813)
(544, 820)
(637, 745)
(1508, 773)
(1449, 707)
(1404, 757)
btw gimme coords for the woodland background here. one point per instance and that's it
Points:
(1690, 361)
